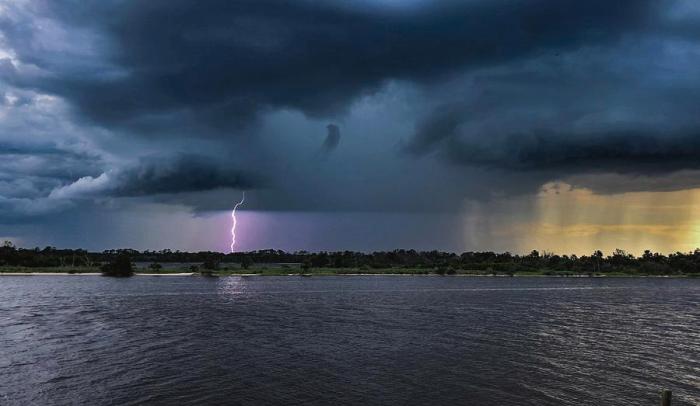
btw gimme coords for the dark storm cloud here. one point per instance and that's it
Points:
(332, 138)
(611, 183)
(442, 124)
(617, 152)
(33, 170)
(559, 128)
(630, 109)
(556, 87)
(186, 173)
(158, 175)
(219, 64)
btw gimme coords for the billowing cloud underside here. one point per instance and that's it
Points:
(557, 87)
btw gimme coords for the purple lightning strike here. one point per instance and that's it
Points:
(233, 218)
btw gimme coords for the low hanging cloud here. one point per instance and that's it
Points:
(186, 173)
(617, 152)
(585, 112)
(466, 136)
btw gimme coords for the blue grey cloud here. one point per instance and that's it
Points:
(217, 67)
(538, 90)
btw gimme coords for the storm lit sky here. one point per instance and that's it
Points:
(504, 125)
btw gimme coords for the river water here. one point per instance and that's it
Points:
(82, 340)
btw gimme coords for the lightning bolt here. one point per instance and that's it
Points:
(233, 218)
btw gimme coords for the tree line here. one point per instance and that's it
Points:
(432, 261)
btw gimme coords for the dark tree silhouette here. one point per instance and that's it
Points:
(397, 261)
(119, 266)
(210, 264)
(246, 262)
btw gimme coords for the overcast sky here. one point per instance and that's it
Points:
(560, 125)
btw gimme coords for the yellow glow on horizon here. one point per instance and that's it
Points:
(575, 220)
(568, 220)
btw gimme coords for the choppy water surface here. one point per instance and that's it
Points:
(348, 340)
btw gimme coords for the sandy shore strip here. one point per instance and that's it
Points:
(165, 274)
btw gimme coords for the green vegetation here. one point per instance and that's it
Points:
(272, 262)
(246, 262)
(55, 269)
(420, 271)
(278, 271)
(119, 266)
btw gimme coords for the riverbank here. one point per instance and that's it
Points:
(93, 271)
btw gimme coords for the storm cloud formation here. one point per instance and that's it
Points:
(187, 173)
(220, 65)
(225, 95)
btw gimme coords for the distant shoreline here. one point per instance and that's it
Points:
(398, 261)
(262, 274)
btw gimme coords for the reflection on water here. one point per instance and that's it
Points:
(348, 340)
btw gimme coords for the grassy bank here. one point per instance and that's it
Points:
(426, 272)
(77, 270)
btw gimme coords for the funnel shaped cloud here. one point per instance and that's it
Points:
(332, 138)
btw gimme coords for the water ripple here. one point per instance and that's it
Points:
(355, 340)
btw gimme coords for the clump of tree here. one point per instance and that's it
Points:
(119, 266)
(246, 262)
(155, 267)
(211, 264)
(306, 266)
(8, 254)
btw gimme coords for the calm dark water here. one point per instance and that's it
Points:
(348, 340)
